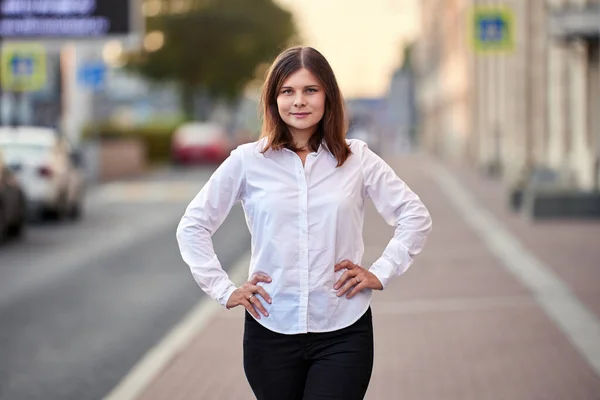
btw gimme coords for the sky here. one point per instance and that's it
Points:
(361, 39)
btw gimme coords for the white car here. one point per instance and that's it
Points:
(47, 167)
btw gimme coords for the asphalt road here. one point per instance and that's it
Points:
(81, 303)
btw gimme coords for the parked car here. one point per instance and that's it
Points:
(13, 212)
(200, 142)
(49, 170)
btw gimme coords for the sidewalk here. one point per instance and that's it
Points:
(472, 319)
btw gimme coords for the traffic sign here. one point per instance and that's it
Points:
(92, 75)
(23, 67)
(492, 28)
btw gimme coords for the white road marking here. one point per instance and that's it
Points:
(142, 374)
(576, 321)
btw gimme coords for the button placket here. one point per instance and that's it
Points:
(303, 245)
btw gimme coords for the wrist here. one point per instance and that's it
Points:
(378, 284)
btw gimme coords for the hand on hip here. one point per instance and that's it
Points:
(355, 279)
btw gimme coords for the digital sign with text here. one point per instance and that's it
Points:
(39, 19)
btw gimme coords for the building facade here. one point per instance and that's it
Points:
(533, 105)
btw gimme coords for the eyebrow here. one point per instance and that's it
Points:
(305, 87)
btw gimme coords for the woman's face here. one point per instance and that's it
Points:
(301, 102)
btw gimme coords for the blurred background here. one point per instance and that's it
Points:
(114, 113)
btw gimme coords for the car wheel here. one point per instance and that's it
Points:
(17, 229)
(60, 211)
(75, 211)
(2, 225)
(36, 215)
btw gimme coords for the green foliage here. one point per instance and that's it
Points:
(217, 46)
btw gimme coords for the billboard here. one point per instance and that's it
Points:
(67, 19)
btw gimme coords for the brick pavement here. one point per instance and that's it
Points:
(455, 326)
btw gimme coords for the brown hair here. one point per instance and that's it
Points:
(332, 127)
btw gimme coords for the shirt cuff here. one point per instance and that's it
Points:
(383, 270)
(227, 291)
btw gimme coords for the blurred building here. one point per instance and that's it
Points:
(366, 117)
(536, 105)
(400, 116)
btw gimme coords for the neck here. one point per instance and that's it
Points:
(301, 139)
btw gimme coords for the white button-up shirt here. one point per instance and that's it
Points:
(303, 221)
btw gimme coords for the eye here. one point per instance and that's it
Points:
(286, 91)
(312, 90)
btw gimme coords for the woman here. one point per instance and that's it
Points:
(308, 332)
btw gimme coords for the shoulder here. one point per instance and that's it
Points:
(357, 147)
(356, 143)
(247, 151)
(367, 157)
(251, 149)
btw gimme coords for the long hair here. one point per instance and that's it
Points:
(334, 124)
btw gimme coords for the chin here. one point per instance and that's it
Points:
(302, 127)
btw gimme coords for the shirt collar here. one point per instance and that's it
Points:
(263, 142)
(324, 146)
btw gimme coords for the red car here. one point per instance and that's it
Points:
(200, 143)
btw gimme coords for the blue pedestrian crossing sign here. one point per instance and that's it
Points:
(23, 67)
(92, 75)
(492, 28)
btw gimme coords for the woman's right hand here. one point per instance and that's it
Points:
(245, 296)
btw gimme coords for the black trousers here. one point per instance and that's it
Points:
(311, 366)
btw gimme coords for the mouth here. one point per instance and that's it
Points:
(300, 115)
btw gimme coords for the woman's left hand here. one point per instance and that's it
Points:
(356, 278)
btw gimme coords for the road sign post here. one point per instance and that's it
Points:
(23, 67)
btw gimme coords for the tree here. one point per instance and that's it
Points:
(216, 47)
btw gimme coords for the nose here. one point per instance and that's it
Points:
(299, 101)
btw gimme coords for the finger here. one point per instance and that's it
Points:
(345, 276)
(264, 294)
(258, 305)
(255, 289)
(349, 285)
(344, 265)
(248, 305)
(259, 278)
(356, 289)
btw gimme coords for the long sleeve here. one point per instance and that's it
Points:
(203, 216)
(400, 207)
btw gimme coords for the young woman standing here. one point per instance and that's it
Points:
(308, 331)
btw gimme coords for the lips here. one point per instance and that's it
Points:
(300, 115)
